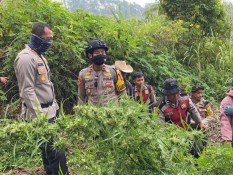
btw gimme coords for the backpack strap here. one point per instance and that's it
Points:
(161, 103)
(149, 88)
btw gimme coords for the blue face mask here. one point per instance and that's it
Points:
(40, 45)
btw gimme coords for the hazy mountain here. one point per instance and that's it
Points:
(104, 7)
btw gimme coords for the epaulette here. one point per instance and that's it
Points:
(83, 72)
(24, 51)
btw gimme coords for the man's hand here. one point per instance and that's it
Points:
(228, 110)
(4, 80)
(202, 125)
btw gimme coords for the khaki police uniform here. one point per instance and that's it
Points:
(35, 86)
(100, 87)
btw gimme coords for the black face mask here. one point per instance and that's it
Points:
(40, 45)
(99, 59)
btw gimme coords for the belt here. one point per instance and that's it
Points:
(46, 105)
(43, 105)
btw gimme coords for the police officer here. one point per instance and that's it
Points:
(99, 83)
(125, 70)
(203, 106)
(143, 93)
(37, 92)
(174, 108)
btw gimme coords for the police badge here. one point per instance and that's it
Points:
(183, 105)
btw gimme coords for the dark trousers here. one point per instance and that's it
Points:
(54, 161)
(199, 144)
(198, 147)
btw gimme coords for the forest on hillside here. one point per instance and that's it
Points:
(106, 7)
(190, 40)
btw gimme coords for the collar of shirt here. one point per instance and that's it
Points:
(197, 102)
(171, 104)
(91, 68)
(143, 88)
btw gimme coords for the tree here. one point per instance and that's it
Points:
(151, 10)
(209, 14)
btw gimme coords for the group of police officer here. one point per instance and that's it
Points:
(98, 84)
(101, 84)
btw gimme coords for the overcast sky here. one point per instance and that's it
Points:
(142, 2)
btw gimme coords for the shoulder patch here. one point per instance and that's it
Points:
(183, 105)
(42, 70)
(84, 72)
(43, 77)
(79, 80)
(39, 60)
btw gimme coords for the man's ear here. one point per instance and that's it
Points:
(89, 56)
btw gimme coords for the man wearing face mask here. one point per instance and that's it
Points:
(37, 91)
(99, 83)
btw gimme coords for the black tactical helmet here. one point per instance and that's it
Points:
(170, 86)
(95, 44)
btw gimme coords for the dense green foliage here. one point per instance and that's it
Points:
(209, 14)
(121, 140)
(158, 47)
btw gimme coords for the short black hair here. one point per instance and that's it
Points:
(197, 88)
(38, 28)
(137, 75)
